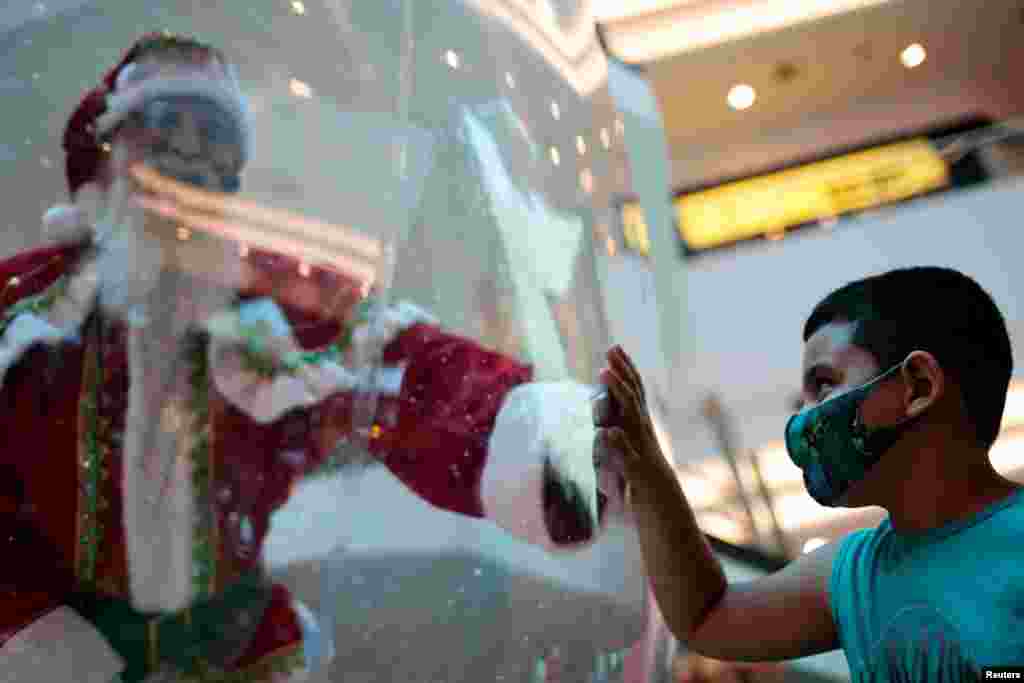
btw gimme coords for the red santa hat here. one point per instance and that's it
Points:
(124, 89)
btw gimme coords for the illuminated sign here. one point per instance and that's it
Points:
(634, 228)
(769, 204)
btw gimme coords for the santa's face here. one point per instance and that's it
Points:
(181, 120)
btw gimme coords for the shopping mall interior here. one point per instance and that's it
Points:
(545, 178)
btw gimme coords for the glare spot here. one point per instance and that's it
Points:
(813, 544)
(556, 111)
(304, 269)
(300, 88)
(556, 158)
(741, 97)
(606, 139)
(510, 80)
(913, 56)
(298, 7)
(587, 180)
(581, 145)
(452, 58)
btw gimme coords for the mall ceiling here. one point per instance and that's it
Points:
(821, 84)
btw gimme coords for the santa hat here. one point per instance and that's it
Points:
(124, 89)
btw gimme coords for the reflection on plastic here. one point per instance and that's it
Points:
(213, 372)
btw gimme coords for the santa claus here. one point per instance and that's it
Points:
(164, 383)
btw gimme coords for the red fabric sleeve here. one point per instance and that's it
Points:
(35, 583)
(30, 272)
(31, 585)
(434, 435)
(278, 629)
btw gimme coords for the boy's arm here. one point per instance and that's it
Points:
(781, 616)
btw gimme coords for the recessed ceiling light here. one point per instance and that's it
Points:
(913, 55)
(587, 180)
(741, 96)
(300, 88)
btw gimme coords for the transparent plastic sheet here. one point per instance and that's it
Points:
(336, 421)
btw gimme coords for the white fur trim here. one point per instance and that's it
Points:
(317, 646)
(66, 223)
(263, 399)
(265, 311)
(383, 326)
(387, 380)
(24, 331)
(224, 91)
(538, 420)
(60, 646)
(158, 515)
(61, 321)
(266, 399)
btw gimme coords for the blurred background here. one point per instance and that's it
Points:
(735, 161)
(813, 143)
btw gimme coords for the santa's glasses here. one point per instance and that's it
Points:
(186, 131)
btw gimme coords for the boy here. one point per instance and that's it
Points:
(904, 384)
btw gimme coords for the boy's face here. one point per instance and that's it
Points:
(833, 365)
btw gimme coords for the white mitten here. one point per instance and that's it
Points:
(382, 326)
(539, 482)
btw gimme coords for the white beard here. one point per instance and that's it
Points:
(158, 497)
(141, 284)
(129, 264)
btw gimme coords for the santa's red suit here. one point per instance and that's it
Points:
(119, 563)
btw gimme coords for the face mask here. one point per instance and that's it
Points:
(833, 447)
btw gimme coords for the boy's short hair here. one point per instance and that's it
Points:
(938, 310)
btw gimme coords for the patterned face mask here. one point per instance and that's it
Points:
(833, 446)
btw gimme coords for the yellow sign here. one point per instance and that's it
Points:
(634, 228)
(767, 205)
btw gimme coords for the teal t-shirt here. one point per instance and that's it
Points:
(933, 607)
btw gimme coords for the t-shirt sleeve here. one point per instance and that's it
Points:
(840, 590)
